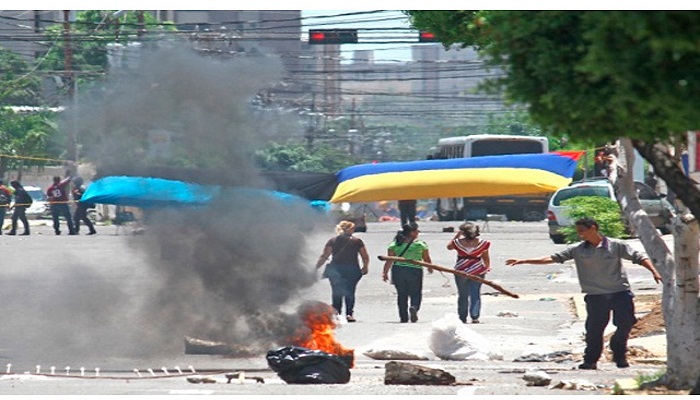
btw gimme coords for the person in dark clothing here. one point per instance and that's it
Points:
(344, 271)
(81, 208)
(58, 200)
(5, 198)
(598, 261)
(22, 201)
(407, 208)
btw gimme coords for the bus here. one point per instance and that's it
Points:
(520, 208)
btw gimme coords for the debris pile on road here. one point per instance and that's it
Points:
(401, 373)
(537, 378)
(557, 356)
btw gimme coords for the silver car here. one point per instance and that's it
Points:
(660, 211)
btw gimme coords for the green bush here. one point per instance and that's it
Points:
(604, 210)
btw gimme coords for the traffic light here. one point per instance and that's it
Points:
(426, 37)
(332, 36)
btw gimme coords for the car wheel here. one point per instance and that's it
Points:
(557, 239)
(533, 215)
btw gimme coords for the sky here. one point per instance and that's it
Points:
(380, 20)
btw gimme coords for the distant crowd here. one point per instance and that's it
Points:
(60, 194)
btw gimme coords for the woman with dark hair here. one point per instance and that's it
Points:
(473, 259)
(344, 270)
(405, 276)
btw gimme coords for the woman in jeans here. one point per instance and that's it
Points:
(344, 270)
(472, 258)
(405, 276)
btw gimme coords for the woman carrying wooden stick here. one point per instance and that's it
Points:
(473, 259)
(407, 277)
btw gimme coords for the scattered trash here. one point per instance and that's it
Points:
(241, 377)
(574, 385)
(301, 365)
(557, 356)
(392, 354)
(200, 379)
(507, 314)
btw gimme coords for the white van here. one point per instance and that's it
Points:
(660, 211)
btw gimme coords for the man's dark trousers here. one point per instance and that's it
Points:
(598, 308)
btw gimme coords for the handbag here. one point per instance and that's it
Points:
(326, 269)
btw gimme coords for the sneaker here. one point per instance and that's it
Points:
(91, 233)
(586, 365)
(414, 314)
(11, 233)
(350, 318)
(476, 321)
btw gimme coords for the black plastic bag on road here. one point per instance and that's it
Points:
(301, 365)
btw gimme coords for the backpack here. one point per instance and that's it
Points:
(4, 198)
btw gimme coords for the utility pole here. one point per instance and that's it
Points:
(140, 28)
(70, 81)
(67, 53)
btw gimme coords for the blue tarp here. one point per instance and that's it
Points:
(144, 192)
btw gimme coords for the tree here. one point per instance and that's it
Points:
(603, 76)
(27, 136)
(91, 34)
(296, 157)
(18, 85)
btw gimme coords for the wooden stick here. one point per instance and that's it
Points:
(451, 271)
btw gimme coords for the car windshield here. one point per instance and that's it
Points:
(602, 191)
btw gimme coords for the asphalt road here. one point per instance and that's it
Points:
(53, 287)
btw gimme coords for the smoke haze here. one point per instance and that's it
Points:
(233, 271)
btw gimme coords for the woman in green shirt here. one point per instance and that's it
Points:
(407, 277)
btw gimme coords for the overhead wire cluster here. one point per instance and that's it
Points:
(384, 88)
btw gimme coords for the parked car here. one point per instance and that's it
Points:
(40, 205)
(660, 211)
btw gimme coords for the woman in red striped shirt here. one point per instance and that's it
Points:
(473, 259)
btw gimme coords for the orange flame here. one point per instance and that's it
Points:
(319, 319)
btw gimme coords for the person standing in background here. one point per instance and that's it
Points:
(22, 201)
(407, 209)
(5, 199)
(57, 195)
(81, 208)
